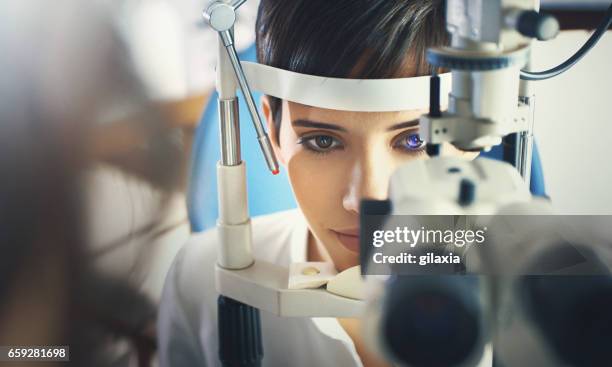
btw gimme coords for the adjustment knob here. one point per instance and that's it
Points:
(537, 25)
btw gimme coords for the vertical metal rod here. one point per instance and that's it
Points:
(229, 128)
(525, 143)
(262, 136)
(525, 138)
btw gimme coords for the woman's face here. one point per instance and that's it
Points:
(336, 158)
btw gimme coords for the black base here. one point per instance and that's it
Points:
(240, 343)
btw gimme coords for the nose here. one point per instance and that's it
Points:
(369, 179)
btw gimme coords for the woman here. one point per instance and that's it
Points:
(333, 160)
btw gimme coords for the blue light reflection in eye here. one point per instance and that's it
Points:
(413, 141)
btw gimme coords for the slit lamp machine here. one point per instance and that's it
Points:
(489, 101)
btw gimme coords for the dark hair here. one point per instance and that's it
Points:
(365, 39)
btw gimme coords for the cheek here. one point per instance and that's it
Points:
(316, 180)
(317, 183)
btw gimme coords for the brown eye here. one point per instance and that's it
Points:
(320, 143)
(323, 141)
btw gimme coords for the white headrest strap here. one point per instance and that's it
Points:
(359, 95)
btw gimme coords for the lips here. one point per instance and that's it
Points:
(349, 239)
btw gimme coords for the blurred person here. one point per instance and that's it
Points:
(66, 79)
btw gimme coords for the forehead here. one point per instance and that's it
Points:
(349, 119)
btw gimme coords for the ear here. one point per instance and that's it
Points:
(272, 130)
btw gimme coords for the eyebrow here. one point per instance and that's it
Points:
(323, 125)
(403, 125)
(317, 125)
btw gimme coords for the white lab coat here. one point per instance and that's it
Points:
(187, 323)
(188, 312)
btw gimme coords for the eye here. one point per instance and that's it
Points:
(410, 142)
(320, 143)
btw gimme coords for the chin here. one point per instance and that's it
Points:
(346, 259)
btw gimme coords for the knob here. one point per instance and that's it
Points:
(537, 25)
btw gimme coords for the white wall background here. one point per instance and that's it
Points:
(574, 124)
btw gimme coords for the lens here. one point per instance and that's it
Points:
(432, 321)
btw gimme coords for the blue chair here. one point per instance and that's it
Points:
(266, 193)
(537, 173)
